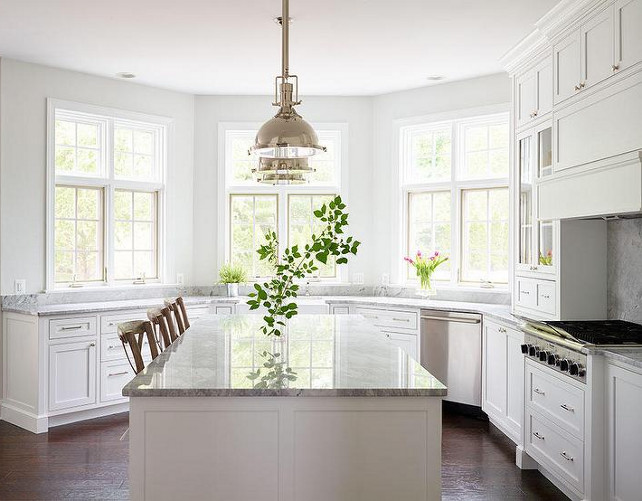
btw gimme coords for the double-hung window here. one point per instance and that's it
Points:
(106, 171)
(252, 209)
(454, 190)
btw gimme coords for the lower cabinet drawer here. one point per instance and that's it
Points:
(546, 297)
(556, 399)
(113, 377)
(220, 310)
(109, 323)
(397, 319)
(562, 454)
(111, 348)
(72, 327)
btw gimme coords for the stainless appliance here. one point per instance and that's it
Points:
(558, 344)
(451, 351)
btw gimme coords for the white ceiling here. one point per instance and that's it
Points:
(338, 47)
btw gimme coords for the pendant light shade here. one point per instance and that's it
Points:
(287, 135)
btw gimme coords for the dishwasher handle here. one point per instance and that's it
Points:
(460, 320)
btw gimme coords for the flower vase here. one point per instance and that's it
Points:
(426, 288)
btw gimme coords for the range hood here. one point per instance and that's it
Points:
(606, 188)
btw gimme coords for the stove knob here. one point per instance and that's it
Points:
(575, 369)
(564, 363)
(553, 359)
(582, 372)
(543, 355)
(525, 348)
(532, 350)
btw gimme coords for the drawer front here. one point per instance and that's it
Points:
(396, 319)
(546, 297)
(111, 348)
(559, 401)
(113, 376)
(222, 310)
(562, 454)
(109, 323)
(526, 293)
(72, 327)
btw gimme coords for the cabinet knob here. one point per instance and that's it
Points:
(92, 344)
(534, 113)
(582, 85)
(615, 68)
(577, 87)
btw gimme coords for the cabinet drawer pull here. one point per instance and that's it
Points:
(370, 316)
(567, 408)
(526, 293)
(546, 296)
(566, 456)
(112, 347)
(71, 328)
(400, 319)
(502, 330)
(92, 344)
(539, 392)
(538, 436)
(113, 374)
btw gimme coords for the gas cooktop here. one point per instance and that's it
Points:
(599, 332)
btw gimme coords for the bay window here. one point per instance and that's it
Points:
(252, 209)
(454, 187)
(105, 171)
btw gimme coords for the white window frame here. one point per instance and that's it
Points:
(282, 191)
(458, 120)
(108, 183)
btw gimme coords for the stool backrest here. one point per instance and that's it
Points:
(132, 335)
(163, 326)
(177, 307)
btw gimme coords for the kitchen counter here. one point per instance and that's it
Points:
(330, 355)
(500, 312)
(628, 356)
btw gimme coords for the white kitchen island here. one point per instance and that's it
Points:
(359, 419)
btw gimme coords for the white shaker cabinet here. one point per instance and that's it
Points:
(72, 374)
(503, 378)
(597, 48)
(624, 433)
(567, 71)
(533, 90)
(628, 33)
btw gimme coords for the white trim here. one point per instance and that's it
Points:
(110, 117)
(224, 190)
(456, 119)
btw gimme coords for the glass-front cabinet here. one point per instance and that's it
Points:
(536, 244)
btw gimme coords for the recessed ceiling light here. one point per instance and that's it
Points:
(435, 78)
(125, 74)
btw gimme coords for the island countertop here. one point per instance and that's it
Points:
(328, 355)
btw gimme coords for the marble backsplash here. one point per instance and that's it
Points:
(153, 291)
(625, 269)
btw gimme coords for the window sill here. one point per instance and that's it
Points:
(503, 289)
(105, 287)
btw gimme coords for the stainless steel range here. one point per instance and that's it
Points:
(559, 344)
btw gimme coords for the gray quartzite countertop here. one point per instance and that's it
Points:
(332, 356)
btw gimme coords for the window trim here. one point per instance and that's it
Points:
(224, 191)
(456, 185)
(109, 184)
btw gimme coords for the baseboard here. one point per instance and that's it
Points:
(568, 492)
(523, 460)
(24, 419)
(74, 417)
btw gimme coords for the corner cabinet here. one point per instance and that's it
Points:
(503, 378)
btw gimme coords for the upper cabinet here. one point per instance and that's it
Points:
(628, 33)
(567, 67)
(534, 96)
(598, 59)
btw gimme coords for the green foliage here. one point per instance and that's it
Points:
(277, 295)
(230, 274)
(277, 375)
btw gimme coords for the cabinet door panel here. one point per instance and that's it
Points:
(495, 370)
(72, 375)
(545, 87)
(628, 25)
(407, 342)
(526, 95)
(567, 71)
(624, 432)
(597, 48)
(515, 381)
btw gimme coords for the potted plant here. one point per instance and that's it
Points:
(425, 267)
(232, 276)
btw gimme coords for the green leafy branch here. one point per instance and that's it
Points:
(277, 375)
(277, 295)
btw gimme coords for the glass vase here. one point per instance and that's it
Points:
(426, 287)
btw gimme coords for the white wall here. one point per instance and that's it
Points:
(24, 89)
(463, 95)
(210, 110)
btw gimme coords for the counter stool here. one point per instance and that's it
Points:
(132, 335)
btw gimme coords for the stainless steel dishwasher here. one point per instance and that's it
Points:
(451, 351)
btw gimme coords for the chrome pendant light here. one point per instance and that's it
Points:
(285, 141)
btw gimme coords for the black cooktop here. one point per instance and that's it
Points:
(601, 331)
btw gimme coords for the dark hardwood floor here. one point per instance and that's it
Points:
(88, 461)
